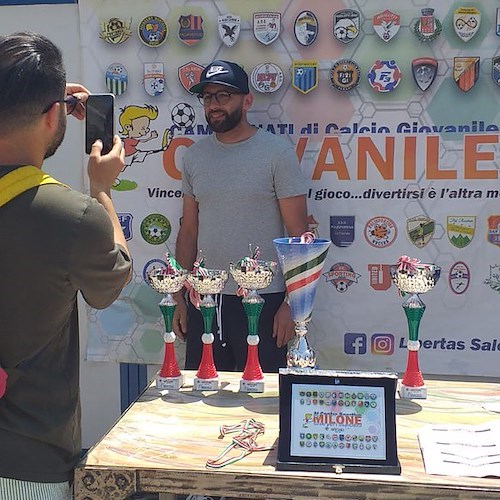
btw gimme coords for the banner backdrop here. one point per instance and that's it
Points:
(404, 160)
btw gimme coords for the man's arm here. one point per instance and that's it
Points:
(294, 214)
(186, 248)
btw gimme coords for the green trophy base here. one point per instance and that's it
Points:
(206, 384)
(407, 392)
(251, 385)
(170, 383)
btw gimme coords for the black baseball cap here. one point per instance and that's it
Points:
(225, 73)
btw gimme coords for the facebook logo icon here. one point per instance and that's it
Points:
(355, 343)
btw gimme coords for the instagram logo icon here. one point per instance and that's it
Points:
(382, 343)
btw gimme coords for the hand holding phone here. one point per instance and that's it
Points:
(99, 121)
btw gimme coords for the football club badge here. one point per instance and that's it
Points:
(420, 230)
(115, 30)
(155, 229)
(154, 78)
(342, 230)
(465, 72)
(306, 28)
(379, 276)
(428, 27)
(460, 229)
(497, 31)
(341, 275)
(189, 74)
(495, 69)
(424, 70)
(466, 21)
(190, 29)
(380, 231)
(384, 76)
(266, 26)
(494, 229)
(125, 220)
(266, 78)
(386, 24)
(346, 25)
(152, 31)
(305, 75)
(229, 28)
(116, 79)
(459, 277)
(345, 75)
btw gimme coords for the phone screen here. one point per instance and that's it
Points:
(99, 121)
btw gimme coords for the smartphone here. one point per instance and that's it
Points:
(99, 121)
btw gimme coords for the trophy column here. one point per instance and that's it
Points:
(252, 275)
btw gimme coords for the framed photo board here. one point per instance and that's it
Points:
(337, 421)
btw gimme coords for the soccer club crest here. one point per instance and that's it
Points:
(346, 25)
(428, 27)
(266, 26)
(190, 29)
(460, 229)
(465, 72)
(116, 79)
(494, 229)
(266, 78)
(125, 220)
(229, 28)
(424, 70)
(190, 74)
(345, 75)
(305, 75)
(420, 230)
(115, 30)
(154, 78)
(466, 21)
(386, 24)
(152, 31)
(459, 277)
(384, 76)
(342, 230)
(306, 28)
(495, 69)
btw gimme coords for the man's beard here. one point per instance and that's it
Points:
(230, 121)
(59, 136)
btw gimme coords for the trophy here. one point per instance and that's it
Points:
(301, 259)
(206, 283)
(168, 281)
(412, 277)
(251, 275)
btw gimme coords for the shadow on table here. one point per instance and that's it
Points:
(407, 407)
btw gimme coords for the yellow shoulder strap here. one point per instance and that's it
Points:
(20, 180)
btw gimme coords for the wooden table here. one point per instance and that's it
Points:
(162, 442)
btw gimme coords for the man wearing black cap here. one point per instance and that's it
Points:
(242, 186)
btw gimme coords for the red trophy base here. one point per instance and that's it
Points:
(412, 386)
(252, 379)
(169, 377)
(207, 378)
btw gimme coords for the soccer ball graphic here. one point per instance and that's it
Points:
(183, 115)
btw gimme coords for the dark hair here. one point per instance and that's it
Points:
(32, 76)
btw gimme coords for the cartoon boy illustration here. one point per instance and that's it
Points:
(135, 122)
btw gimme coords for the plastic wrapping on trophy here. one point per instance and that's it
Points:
(301, 260)
(168, 281)
(207, 283)
(413, 277)
(252, 274)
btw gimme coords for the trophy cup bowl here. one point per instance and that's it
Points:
(207, 282)
(252, 275)
(301, 263)
(168, 281)
(413, 278)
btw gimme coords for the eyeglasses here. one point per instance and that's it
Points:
(221, 97)
(70, 101)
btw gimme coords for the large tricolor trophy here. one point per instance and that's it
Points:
(206, 283)
(251, 275)
(301, 259)
(168, 281)
(412, 277)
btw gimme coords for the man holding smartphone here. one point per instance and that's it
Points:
(56, 242)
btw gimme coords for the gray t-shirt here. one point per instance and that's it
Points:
(237, 187)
